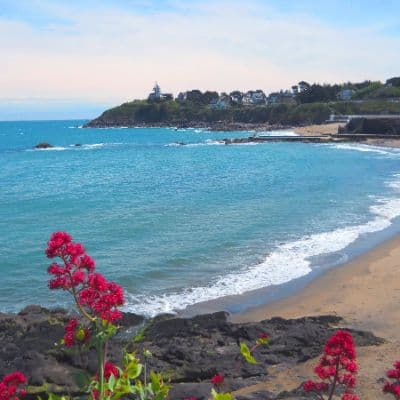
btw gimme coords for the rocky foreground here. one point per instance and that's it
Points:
(188, 351)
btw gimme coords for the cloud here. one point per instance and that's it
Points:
(115, 53)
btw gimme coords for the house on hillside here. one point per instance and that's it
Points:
(345, 94)
(222, 103)
(236, 97)
(254, 97)
(282, 97)
(157, 95)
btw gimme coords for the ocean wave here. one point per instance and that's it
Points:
(208, 142)
(55, 148)
(277, 133)
(388, 151)
(246, 144)
(286, 262)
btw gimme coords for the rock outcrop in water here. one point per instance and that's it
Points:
(43, 145)
(188, 351)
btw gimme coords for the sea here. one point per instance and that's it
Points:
(180, 219)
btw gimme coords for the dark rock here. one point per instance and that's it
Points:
(130, 319)
(188, 351)
(43, 145)
(181, 391)
(372, 126)
(259, 395)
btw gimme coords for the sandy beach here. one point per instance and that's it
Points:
(332, 129)
(318, 130)
(366, 293)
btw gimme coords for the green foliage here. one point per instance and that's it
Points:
(373, 98)
(367, 91)
(221, 396)
(245, 352)
(52, 396)
(319, 93)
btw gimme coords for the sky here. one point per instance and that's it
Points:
(62, 59)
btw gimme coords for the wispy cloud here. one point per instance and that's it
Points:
(113, 51)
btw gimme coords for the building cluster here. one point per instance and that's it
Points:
(225, 100)
(253, 97)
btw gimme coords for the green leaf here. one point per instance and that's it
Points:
(244, 350)
(111, 382)
(221, 396)
(82, 379)
(133, 369)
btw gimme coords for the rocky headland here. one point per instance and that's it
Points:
(188, 351)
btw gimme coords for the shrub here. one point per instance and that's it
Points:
(337, 366)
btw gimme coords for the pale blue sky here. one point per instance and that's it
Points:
(76, 57)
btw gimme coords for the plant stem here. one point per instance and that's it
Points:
(332, 391)
(101, 356)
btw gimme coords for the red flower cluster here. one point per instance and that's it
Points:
(77, 275)
(110, 369)
(10, 386)
(217, 380)
(393, 387)
(74, 333)
(337, 366)
(75, 262)
(102, 297)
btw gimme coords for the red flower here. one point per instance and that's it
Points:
(71, 274)
(311, 386)
(110, 369)
(16, 378)
(10, 386)
(350, 396)
(57, 243)
(75, 334)
(393, 388)
(336, 366)
(102, 298)
(97, 296)
(217, 380)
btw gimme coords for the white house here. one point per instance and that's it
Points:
(345, 94)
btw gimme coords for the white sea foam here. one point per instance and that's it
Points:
(246, 144)
(92, 146)
(387, 151)
(208, 142)
(55, 148)
(285, 263)
(278, 133)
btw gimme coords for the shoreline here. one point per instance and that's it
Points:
(366, 294)
(350, 290)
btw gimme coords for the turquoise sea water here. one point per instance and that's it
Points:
(176, 224)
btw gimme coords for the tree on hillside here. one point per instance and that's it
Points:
(209, 96)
